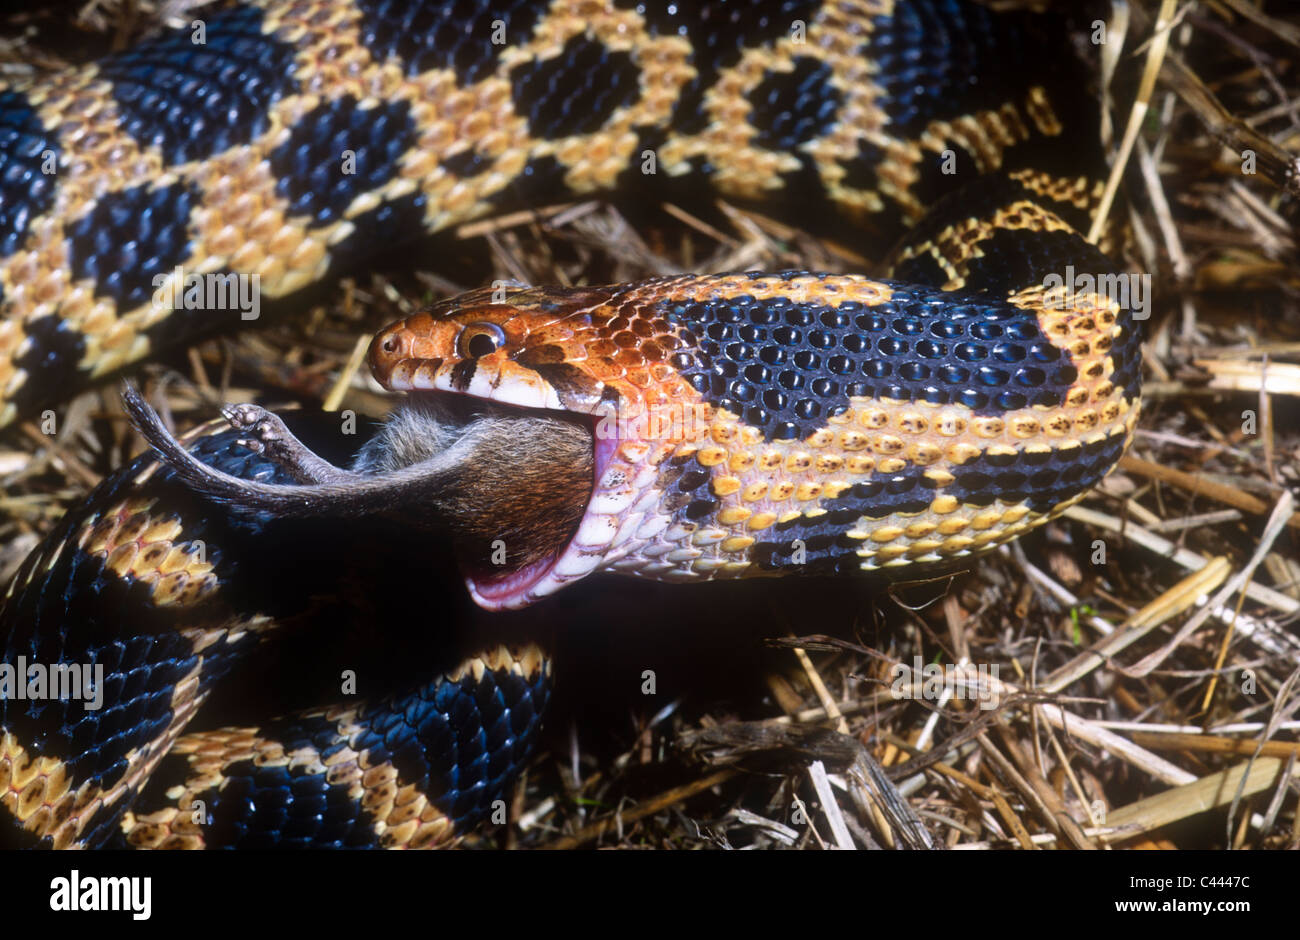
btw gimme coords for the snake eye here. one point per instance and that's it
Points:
(480, 339)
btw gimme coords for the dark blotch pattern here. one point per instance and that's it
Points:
(940, 59)
(1044, 480)
(376, 227)
(130, 237)
(462, 373)
(193, 100)
(78, 612)
(938, 173)
(1011, 259)
(792, 108)
(572, 385)
(310, 164)
(786, 367)
(139, 674)
(279, 808)
(25, 192)
(466, 164)
(51, 361)
(688, 488)
(462, 743)
(860, 171)
(924, 269)
(541, 179)
(811, 546)
(718, 33)
(977, 201)
(575, 92)
(446, 34)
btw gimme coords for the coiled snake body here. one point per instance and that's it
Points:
(741, 425)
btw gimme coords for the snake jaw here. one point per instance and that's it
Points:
(586, 551)
(620, 513)
(622, 471)
(628, 448)
(552, 359)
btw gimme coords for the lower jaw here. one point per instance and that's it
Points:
(509, 591)
(524, 586)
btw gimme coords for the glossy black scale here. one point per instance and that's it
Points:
(130, 237)
(274, 808)
(792, 108)
(464, 741)
(460, 743)
(785, 368)
(466, 164)
(77, 612)
(541, 178)
(51, 359)
(807, 549)
(28, 167)
(339, 151)
(195, 93)
(575, 92)
(718, 33)
(467, 36)
(981, 201)
(1014, 258)
(372, 227)
(941, 59)
(1043, 480)
(689, 490)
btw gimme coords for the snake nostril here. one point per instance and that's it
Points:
(390, 344)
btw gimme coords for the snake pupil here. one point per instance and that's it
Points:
(481, 344)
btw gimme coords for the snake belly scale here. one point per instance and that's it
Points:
(742, 425)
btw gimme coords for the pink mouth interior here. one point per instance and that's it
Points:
(503, 590)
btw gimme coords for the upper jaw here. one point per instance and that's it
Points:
(521, 387)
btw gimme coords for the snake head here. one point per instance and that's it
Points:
(603, 353)
(476, 346)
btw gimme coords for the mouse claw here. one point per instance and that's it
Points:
(244, 417)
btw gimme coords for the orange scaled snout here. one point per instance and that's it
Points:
(397, 342)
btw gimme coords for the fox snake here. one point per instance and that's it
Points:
(744, 424)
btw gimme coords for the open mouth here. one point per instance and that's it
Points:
(534, 509)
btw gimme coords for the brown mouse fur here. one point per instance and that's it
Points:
(445, 463)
